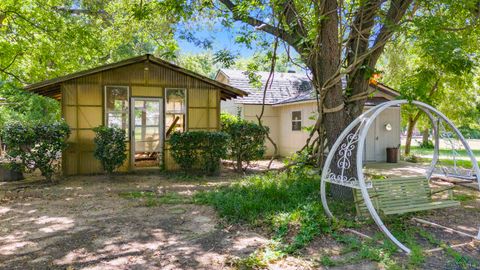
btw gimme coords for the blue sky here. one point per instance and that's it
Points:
(222, 38)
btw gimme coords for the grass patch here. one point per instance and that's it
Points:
(151, 199)
(287, 205)
(463, 197)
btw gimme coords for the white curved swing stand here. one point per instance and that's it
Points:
(354, 137)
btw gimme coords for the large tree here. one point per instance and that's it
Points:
(334, 40)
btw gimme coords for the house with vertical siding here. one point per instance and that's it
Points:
(291, 106)
(147, 97)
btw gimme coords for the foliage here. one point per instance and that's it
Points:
(286, 204)
(110, 147)
(435, 62)
(199, 148)
(470, 133)
(299, 161)
(411, 159)
(428, 144)
(19, 105)
(247, 139)
(36, 145)
(70, 37)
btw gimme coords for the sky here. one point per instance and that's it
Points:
(222, 38)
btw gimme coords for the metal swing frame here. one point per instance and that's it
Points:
(355, 135)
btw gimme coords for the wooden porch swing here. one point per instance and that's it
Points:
(403, 195)
(387, 196)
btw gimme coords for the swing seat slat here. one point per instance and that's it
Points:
(402, 195)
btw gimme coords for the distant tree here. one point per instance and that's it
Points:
(438, 69)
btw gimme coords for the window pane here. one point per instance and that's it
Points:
(116, 106)
(117, 98)
(175, 101)
(297, 115)
(297, 120)
(296, 125)
(178, 120)
(119, 120)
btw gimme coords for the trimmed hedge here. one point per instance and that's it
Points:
(36, 145)
(199, 149)
(247, 139)
(110, 147)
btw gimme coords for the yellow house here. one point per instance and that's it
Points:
(147, 97)
(291, 105)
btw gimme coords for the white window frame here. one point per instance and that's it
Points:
(296, 121)
(185, 128)
(105, 111)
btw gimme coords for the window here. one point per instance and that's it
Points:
(296, 120)
(175, 110)
(116, 106)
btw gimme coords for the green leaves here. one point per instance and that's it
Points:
(247, 139)
(199, 149)
(110, 147)
(36, 145)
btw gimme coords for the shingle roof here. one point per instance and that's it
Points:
(284, 86)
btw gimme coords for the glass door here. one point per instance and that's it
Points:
(147, 132)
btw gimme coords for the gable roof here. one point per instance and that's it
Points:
(51, 88)
(285, 88)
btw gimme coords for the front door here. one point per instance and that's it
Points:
(147, 132)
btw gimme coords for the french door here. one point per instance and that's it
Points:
(146, 140)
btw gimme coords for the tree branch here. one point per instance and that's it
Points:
(291, 39)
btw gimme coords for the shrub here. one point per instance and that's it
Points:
(36, 145)
(247, 139)
(214, 148)
(411, 159)
(199, 148)
(110, 147)
(428, 144)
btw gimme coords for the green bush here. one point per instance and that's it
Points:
(36, 145)
(469, 133)
(110, 147)
(199, 149)
(247, 139)
(428, 144)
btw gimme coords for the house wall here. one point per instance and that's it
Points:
(290, 140)
(83, 108)
(378, 138)
(270, 119)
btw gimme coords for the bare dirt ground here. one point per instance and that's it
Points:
(83, 223)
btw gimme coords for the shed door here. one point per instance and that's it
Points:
(371, 143)
(147, 132)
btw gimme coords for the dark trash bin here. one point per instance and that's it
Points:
(392, 154)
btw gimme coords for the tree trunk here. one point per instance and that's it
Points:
(412, 121)
(425, 136)
(408, 143)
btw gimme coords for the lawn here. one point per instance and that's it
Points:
(425, 155)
